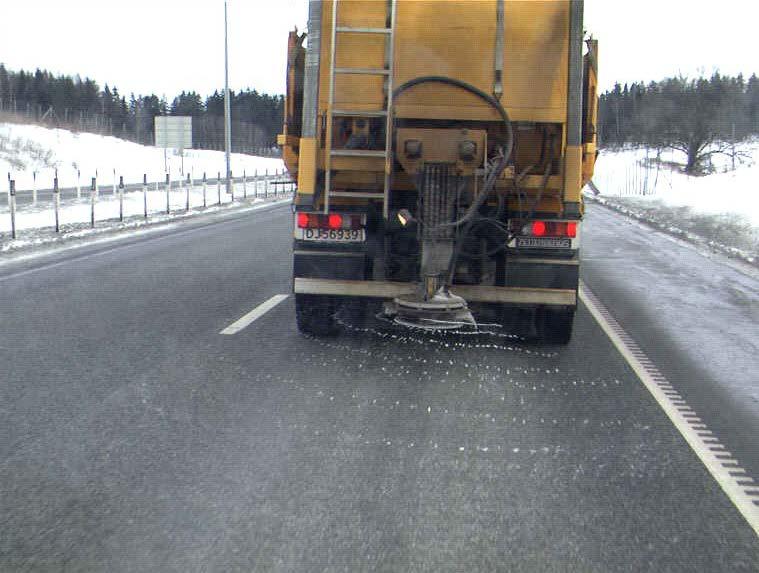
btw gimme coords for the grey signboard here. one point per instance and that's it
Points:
(173, 131)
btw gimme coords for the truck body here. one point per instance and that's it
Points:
(440, 149)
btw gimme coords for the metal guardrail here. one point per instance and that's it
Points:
(275, 184)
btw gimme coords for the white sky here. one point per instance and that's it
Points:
(166, 46)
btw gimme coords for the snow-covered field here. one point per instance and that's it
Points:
(720, 209)
(26, 149)
(35, 226)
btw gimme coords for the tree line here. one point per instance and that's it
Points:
(80, 104)
(699, 117)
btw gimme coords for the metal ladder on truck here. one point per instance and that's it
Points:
(386, 112)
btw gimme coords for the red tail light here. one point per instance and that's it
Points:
(335, 221)
(551, 229)
(332, 221)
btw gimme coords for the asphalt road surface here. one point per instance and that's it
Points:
(136, 437)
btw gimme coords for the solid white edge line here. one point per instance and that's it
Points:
(729, 484)
(254, 314)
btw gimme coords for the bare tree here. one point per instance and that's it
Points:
(687, 116)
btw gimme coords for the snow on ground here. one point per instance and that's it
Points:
(107, 205)
(25, 149)
(720, 209)
(35, 226)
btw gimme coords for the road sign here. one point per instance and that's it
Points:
(173, 131)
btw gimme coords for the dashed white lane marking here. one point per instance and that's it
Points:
(741, 488)
(254, 314)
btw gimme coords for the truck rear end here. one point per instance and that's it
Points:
(440, 150)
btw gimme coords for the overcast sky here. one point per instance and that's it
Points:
(166, 46)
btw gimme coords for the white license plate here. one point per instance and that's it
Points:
(331, 235)
(543, 243)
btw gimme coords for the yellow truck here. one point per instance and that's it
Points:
(440, 149)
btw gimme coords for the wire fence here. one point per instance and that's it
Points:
(29, 210)
(646, 175)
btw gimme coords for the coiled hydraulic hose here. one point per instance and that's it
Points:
(471, 89)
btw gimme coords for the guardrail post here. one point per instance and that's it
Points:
(93, 195)
(97, 185)
(34, 188)
(232, 186)
(187, 194)
(12, 201)
(205, 188)
(57, 203)
(255, 183)
(121, 198)
(266, 184)
(168, 198)
(145, 195)
(78, 184)
(218, 185)
(244, 184)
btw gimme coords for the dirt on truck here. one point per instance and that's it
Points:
(440, 149)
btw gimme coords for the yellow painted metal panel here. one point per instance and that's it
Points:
(353, 51)
(361, 13)
(454, 38)
(457, 39)
(307, 166)
(573, 173)
(476, 112)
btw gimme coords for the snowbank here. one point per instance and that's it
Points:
(35, 225)
(627, 173)
(25, 149)
(720, 209)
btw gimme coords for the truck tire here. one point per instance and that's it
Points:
(315, 314)
(555, 325)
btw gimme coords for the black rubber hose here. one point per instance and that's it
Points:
(509, 141)
(507, 148)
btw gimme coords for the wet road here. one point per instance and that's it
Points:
(134, 437)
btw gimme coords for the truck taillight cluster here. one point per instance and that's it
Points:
(551, 229)
(330, 221)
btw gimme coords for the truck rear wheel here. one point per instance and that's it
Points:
(555, 325)
(315, 314)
